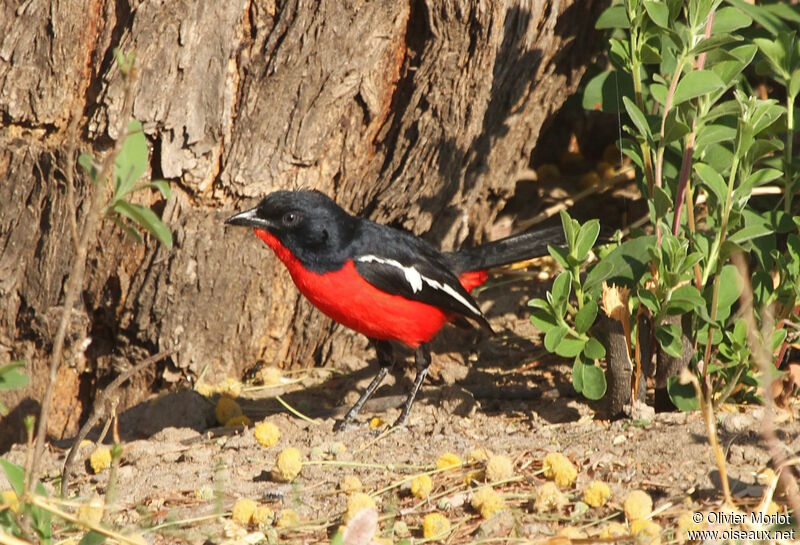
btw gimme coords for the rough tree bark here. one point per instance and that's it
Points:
(417, 113)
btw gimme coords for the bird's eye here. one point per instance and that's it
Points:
(291, 218)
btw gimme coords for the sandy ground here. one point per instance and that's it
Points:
(180, 475)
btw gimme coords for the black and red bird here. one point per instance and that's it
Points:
(380, 281)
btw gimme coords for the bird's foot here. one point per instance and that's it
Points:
(345, 424)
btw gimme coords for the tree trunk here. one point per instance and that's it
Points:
(418, 114)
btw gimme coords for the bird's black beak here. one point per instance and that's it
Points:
(249, 218)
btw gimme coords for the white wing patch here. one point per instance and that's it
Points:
(415, 280)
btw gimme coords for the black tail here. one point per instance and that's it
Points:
(506, 250)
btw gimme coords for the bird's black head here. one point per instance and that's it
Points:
(308, 223)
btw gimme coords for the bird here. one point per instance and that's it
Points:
(383, 282)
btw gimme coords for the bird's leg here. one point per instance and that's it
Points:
(383, 349)
(422, 358)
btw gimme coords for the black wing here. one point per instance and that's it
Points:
(405, 265)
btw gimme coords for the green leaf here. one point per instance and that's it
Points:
(695, 84)
(685, 298)
(659, 92)
(561, 255)
(554, 337)
(86, 162)
(577, 375)
(613, 17)
(15, 475)
(96, 538)
(131, 163)
(713, 181)
(562, 287)
(714, 42)
(338, 538)
(658, 12)
(728, 19)
(587, 235)
(146, 218)
(713, 134)
(569, 347)
(669, 337)
(623, 266)
(162, 186)
(586, 317)
(730, 287)
(637, 117)
(683, 396)
(604, 91)
(750, 232)
(648, 299)
(594, 382)
(662, 202)
(543, 321)
(11, 378)
(594, 349)
(794, 83)
(569, 225)
(674, 129)
(760, 15)
(775, 54)
(778, 336)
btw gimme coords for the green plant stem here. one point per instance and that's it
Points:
(788, 172)
(714, 260)
(636, 76)
(667, 106)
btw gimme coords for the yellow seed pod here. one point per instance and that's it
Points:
(241, 420)
(243, 510)
(288, 465)
(263, 516)
(230, 387)
(226, 409)
(204, 389)
(686, 524)
(375, 423)
(596, 494)
(421, 486)
(435, 526)
(92, 511)
(637, 505)
(549, 498)
(358, 502)
(9, 498)
(558, 468)
(479, 454)
(474, 476)
(267, 434)
(271, 376)
(448, 459)
(499, 468)
(350, 484)
(100, 459)
(646, 531)
(487, 502)
(287, 518)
